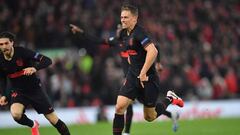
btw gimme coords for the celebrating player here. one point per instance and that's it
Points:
(19, 65)
(114, 42)
(142, 81)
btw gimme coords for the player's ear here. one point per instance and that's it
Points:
(12, 42)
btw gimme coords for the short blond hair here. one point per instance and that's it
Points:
(131, 8)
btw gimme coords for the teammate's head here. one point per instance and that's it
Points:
(129, 16)
(8, 35)
(6, 42)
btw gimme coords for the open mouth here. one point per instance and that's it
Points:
(6, 50)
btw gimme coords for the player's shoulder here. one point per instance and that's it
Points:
(19, 48)
(139, 29)
(140, 33)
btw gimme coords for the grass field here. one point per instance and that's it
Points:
(192, 127)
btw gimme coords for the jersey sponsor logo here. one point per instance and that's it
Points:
(132, 52)
(124, 54)
(19, 62)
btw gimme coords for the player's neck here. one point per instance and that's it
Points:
(10, 55)
(129, 30)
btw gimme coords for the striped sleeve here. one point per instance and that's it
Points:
(41, 60)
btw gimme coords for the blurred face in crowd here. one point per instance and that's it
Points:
(128, 19)
(6, 46)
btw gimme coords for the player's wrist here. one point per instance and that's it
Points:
(35, 68)
(143, 73)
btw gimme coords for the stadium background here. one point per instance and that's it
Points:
(199, 46)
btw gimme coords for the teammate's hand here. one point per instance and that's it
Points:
(29, 71)
(159, 67)
(118, 31)
(143, 78)
(3, 101)
(75, 29)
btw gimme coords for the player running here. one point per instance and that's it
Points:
(142, 81)
(19, 65)
(114, 42)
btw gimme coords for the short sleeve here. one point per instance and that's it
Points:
(143, 38)
(29, 54)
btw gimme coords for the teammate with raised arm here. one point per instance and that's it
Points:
(112, 42)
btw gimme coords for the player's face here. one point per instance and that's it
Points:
(6, 46)
(128, 20)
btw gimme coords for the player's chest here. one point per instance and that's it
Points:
(130, 42)
(15, 64)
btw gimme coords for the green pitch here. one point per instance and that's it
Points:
(190, 127)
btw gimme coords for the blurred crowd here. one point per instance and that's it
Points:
(199, 44)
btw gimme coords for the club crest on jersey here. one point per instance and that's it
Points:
(19, 62)
(130, 42)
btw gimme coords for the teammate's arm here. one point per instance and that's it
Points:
(77, 30)
(111, 41)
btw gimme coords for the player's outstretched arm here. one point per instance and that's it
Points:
(96, 40)
(75, 29)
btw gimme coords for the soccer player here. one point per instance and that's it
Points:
(19, 65)
(114, 41)
(142, 81)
